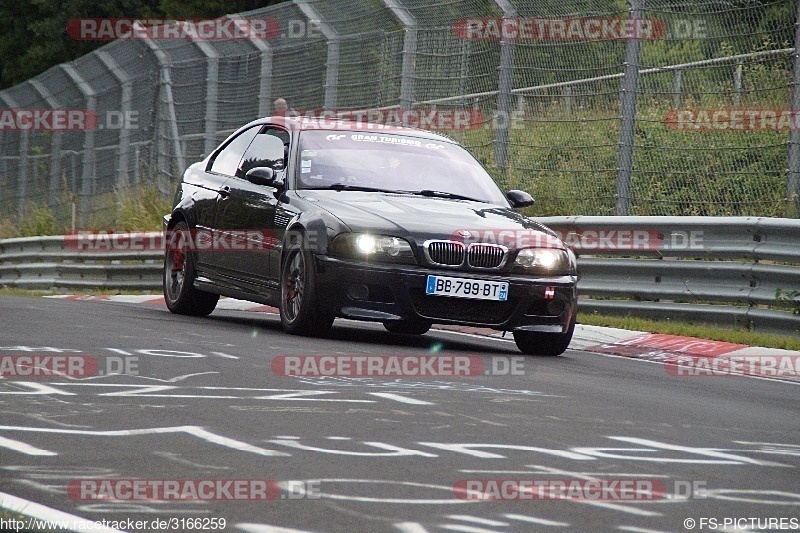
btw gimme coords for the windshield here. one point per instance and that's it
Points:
(389, 162)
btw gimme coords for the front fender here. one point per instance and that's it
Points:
(319, 227)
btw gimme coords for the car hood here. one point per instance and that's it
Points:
(420, 218)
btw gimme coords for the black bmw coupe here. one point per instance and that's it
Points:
(331, 218)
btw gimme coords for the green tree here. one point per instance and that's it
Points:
(34, 38)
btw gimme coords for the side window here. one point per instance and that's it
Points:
(227, 161)
(269, 149)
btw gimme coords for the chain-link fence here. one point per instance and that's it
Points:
(642, 107)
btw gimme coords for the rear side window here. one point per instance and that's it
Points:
(227, 161)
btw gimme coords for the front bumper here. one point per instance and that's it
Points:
(382, 292)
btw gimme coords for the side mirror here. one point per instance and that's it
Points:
(263, 176)
(519, 199)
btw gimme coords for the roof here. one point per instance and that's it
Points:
(326, 123)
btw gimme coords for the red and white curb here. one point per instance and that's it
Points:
(655, 347)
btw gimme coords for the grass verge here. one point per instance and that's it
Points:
(14, 291)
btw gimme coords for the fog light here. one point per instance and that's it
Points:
(358, 291)
(555, 307)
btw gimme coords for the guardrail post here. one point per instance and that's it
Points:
(22, 163)
(409, 51)
(504, 87)
(628, 90)
(332, 61)
(88, 171)
(126, 93)
(793, 172)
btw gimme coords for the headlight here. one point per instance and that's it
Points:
(369, 247)
(543, 261)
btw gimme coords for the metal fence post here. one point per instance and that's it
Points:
(55, 146)
(126, 93)
(332, 61)
(504, 86)
(212, 93)
(737, 84)
(628, 90)
(265, 77)
(409, 51)
(676, 88)
(165, 83)
(793, 172)
(567, 100)
(88, 171)
(22, 165)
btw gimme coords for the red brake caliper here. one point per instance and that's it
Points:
(291, 292)
(177, 260)
(177, 257)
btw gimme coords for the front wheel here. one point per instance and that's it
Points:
(536, 343)
(299, 308)
(180, 295)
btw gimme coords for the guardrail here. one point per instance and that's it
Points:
(718, 270)
(61, 262)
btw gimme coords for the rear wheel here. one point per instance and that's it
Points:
(300, 313)
(180, 295)
(536, 343)
(408, 327)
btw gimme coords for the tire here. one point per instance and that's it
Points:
(550, 344)
(180, 295)
(299, 306)
(408, 327)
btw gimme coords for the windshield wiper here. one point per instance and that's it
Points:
(443, 194)
(425, 192)
(345, 187)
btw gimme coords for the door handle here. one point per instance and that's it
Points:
(225, 191)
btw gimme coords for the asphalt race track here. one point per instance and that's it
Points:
(180, 398)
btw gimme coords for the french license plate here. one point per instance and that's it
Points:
(467, 288)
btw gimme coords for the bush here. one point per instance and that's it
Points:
(38, 221)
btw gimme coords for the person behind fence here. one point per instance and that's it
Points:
(280, 108)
